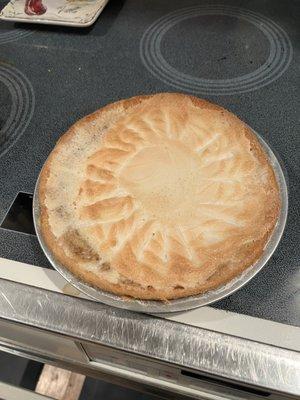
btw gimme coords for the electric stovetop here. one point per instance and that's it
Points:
(242, 55)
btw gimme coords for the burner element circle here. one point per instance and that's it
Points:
(22, 106)
(10, 35)
(280, 53)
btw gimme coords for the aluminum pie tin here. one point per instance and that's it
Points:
(185, 303)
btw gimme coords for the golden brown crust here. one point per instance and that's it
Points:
(142, 267)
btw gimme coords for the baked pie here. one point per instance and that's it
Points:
(158, 197)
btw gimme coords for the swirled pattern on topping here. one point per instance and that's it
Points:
(158, 197)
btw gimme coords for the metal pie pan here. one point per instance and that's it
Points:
(185, 303)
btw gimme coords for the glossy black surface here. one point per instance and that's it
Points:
(19, 216)
(56, 75)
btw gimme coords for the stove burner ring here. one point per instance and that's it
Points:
(280, 53)
(23, 102)
(14, 34)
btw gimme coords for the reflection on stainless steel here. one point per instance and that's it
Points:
(183, 345)
(188, 302)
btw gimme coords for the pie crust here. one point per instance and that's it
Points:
(158, 197)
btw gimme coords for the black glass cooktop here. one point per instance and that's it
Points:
(242, 55)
